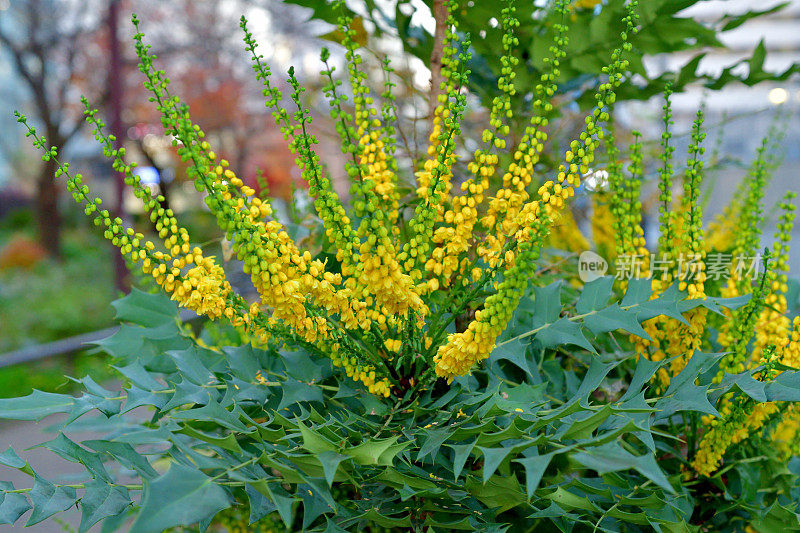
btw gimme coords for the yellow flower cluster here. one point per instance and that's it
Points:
(566, 235)
(739, 418)
(434, 179)
(737, 422)
(369, 310)
(454, 238)
(358, 371)
(791, 354)
(603, 235)
(528, 229)
(504, 207)
(682, 252)
(691, 275)
(785, 435)
(204, 289)
(772, 327)
(378, 269)
(721, 232)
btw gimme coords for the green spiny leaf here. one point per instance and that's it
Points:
(35, 406)
(11, 459)
(12, 505)
(260, 505)
(145, 309)
(48, 499)
(100, 501)
(563, 332)
(181, 497)
(534, 469)
(595, 294)
(492, 457)
(462, 453)
(330, 464)
(370, 451)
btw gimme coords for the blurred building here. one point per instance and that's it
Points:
(738, 117)
(748, 111)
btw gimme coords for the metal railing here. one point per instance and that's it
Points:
(70, 345)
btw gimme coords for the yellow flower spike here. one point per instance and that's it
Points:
(602, 223)
(772, 327)
(565, 234)
(786, 435)
(457, 239)
(529, 227)
(683, 340)
(740, 418)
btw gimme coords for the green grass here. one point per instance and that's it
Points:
(50, 375)
(52, 301)
(56, 300)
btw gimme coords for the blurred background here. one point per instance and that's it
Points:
(737, 58)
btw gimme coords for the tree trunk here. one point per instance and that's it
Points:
(440, 15)
(115, 94)
(47, 215)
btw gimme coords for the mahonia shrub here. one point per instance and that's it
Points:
(443, 363)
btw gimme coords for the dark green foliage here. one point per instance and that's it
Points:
(531, 439)
(593, 35)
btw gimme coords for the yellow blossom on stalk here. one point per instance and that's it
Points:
(692, 266)
(566, 235)
(204, 289)
(368, 310)
(529, 228)
(505, 208)
(661, 329)
(455, 237)
(438, 169)
(735, 330)
(772, 327)
(373, 265)
(393, 345)
(785, 435)
(463, 350)
(740, 417)
(791, 354)
(358, 371)
(434, 178)
(739, 420)
(603, 235)
(681, 259)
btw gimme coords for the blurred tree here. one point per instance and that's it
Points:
(202, 50)
(49, 45)
(60, 49)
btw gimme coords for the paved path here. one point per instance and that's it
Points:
(22, 435)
